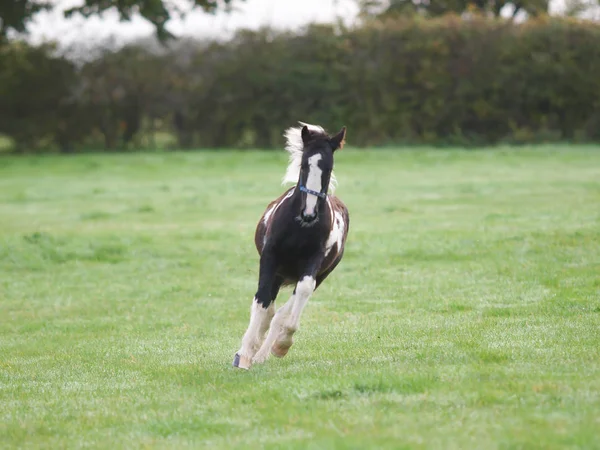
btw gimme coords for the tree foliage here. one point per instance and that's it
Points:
(434, 8)
(15, 14)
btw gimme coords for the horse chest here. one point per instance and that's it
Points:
(300, 243)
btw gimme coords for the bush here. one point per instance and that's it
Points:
(35, 91)
(442, 81)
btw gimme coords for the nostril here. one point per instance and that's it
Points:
(308, 217)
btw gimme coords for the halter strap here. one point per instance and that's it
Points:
(310, 191)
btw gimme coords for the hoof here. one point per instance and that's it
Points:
(241, 362)
(279, 351)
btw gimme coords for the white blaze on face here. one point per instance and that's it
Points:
(313, 182)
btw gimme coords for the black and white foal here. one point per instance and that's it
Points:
(300, 239)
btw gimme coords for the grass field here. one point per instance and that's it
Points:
(465, 314)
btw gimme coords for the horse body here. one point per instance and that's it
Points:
(300, 239)
(294, 245)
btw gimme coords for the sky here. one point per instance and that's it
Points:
(249, 14)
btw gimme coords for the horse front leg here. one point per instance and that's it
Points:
(261, 312)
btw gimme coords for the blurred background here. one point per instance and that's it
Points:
(121, 75)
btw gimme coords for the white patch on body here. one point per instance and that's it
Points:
(294, 146)
(273, 208)
(336, 235)
(313, 182)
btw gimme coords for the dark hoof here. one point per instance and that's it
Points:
(241, 362)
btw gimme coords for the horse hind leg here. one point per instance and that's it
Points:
(284, 340)
(304, 289)
(274, 329)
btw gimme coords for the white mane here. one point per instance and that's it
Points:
(294, 147)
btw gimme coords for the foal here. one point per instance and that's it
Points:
(300, 239)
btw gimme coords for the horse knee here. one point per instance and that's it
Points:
(306, 286)
(290, 329)
(263, 299)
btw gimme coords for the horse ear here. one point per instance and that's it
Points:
(305, 134)
(338, 141)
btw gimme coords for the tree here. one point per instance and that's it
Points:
(15, 14)
(35, 88)
(388, 8)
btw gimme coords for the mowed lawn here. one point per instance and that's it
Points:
(465, 314)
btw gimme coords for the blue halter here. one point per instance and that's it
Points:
(303, 188)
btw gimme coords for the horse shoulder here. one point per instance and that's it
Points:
(263, 225)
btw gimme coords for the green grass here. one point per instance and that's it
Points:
(465, 314)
